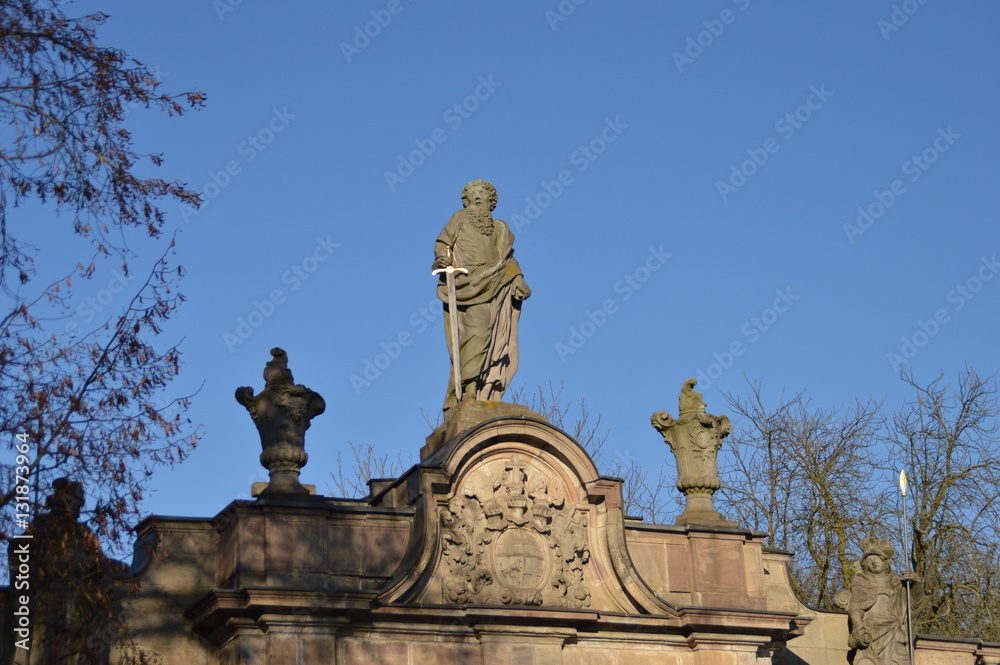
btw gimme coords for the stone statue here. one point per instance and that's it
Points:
(282, 413)
(488, 297)
(74, 607)
(877, 609)
(695, 438)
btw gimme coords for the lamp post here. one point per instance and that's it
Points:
(908, 582)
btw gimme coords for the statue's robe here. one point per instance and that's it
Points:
(487, 312)
(878, 609)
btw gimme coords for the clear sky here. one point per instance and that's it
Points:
(784, 191)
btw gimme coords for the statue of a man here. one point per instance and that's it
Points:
(74, 607)
(488, 298)
(878, 607)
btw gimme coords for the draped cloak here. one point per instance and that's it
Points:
(487, 312)
(877, 610)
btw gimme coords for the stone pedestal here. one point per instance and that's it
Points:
(469, 413)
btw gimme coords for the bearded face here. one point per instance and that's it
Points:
(479, 192)
(478, 206)
(481, 219)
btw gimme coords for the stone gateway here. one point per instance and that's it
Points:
(504, 546)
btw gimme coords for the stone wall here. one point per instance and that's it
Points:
(505, 545)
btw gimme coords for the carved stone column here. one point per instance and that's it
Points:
(695, 438)
(282, 413)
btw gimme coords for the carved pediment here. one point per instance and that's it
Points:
(514, 514)
(510, 535)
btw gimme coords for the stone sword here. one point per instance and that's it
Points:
(449, 276)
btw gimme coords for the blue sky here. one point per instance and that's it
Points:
(787, 191)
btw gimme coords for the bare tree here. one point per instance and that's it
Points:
(88, 399)
(575, 418)
(820, 480)
(947, 440)
(83, 402)
(351, 479)
(648, 493)
(808, 477)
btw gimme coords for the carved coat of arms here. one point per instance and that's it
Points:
(509, 537)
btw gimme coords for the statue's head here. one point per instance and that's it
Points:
(479, 191)
(876, 554)
(66, 499)
(873, 563)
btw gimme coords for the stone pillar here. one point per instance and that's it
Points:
(282, 413)
(695, 438)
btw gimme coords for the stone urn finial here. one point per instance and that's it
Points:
(282, 413)
(695, 438)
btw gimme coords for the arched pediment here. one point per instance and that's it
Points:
(518, 515)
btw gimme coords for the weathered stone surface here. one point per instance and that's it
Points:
(592, 657)
(933, 650)
(283, 648)
(370, 652)
(703, 566)
(319, 648)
